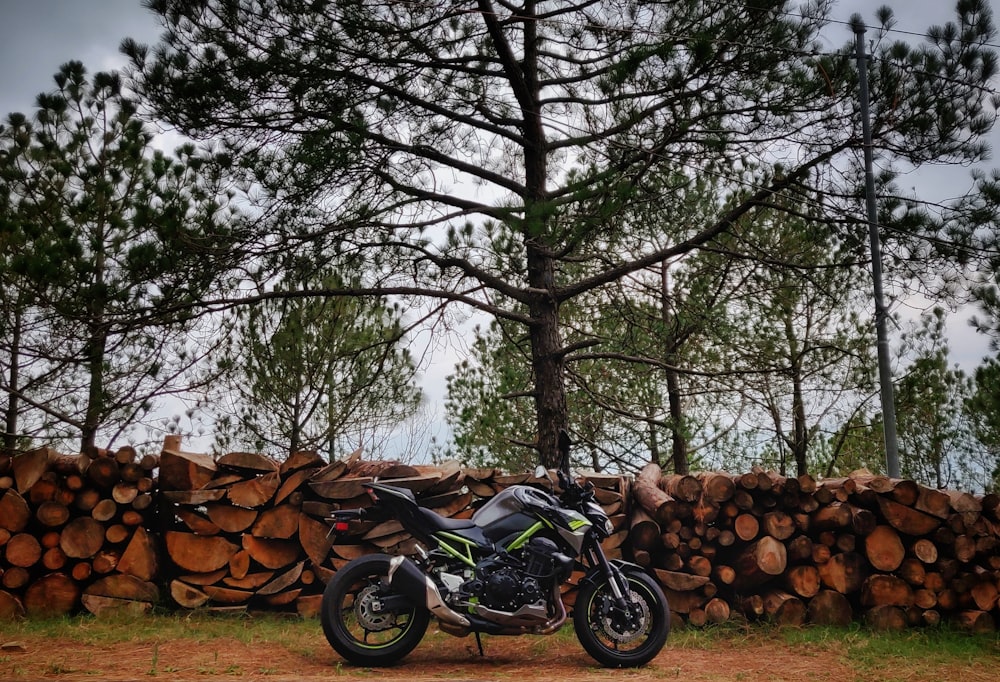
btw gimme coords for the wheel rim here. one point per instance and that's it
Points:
(614, 630)
(358, 615)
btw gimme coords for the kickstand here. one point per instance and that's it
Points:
(479, 641)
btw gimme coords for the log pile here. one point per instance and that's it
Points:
(75, 532)
(243, 531)
(793, 550)
(247, 532)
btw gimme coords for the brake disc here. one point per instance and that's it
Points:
(366, 608)
(614, 624)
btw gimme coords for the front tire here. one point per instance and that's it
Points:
(353, 624)
(616, 639)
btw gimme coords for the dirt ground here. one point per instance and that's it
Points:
(440, 657)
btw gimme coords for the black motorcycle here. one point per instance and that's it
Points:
(497, 573)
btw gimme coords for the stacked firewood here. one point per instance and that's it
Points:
(795, 550)
(75, 531)
(249, 532)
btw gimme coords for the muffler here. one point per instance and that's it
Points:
(406, 578)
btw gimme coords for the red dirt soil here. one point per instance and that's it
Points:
(518, 659)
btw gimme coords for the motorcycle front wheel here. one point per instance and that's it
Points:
(616, 637)
(356, 625)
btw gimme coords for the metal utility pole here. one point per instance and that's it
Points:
(881, 314)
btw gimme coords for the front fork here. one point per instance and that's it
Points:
(616, 580)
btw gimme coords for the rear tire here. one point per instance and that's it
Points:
(355, 628)
(611, 637)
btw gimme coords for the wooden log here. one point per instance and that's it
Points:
(979, 622)
(186, 595)
(227, 595)
(104, 473)
(761, 561)
(140, 559)
(291, 484)
(680, 582)
(309, 606)
(81, 571)
(284, 598)
(301, 460)
(196, 522)
(250, 581)
(229, 518)
(255, 492)
(752, 606)
(54, 559)
(249, 463)
(313, 538)
(29, 467)
(284, 581)
(830, 607)
(746, 527)
(272, 553)
(933, 502)
(779, 525)
(886, 618)
(15, 578)
(984, 594)
(124, 493)
(925, 550)
(661, 506)
(131, 517)
(684, 602)
(907, 519)
(803, 580)
(52, 514)
(14, 511)
(912, 571)
(685, 488)
(882, 589)
(844, 572)
(723, 575)
(181, 470)
(105, 606)
(11, 608)
(23, 550)
(82, 538)
(278, 522)
(783, 608)
(346, 488)
(105, 561)
(834, 516)
(199, 554)
(239, 564)
(717, 487)
(55, 594)
(924, 599)
(884, 548)
(193, 497)
(644, 533)
(125, 587)
(799, 549)
(717, 610)
(330, 472)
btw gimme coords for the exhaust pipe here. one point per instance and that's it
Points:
(406, 578)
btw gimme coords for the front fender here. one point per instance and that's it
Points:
(625, 567)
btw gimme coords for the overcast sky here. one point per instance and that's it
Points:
(36, 36)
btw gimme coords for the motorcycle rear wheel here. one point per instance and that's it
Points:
(611, 638)
(354, 626)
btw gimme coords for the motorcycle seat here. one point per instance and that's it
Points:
(443, 522)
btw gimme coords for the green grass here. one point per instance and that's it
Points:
(194, 626)
(869, 655)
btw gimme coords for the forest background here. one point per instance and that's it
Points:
(670, 261)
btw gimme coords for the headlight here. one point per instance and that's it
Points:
(599, 519)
